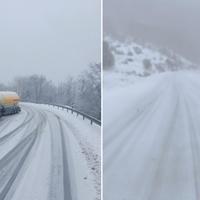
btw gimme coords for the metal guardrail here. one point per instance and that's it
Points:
(84, 115)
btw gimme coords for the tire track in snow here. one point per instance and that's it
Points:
(137, 111)
(60, 165)
(17, 157)
(66, 177)
(144, 116)
(194, 139)
(10, 134)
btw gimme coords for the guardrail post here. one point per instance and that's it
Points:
(83, 117)
(91, 122)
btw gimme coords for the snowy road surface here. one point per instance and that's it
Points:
(152, 139)
(48, 154)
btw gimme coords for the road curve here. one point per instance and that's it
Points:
(152, 148)
(35, 159)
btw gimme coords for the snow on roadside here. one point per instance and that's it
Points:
(82, 179)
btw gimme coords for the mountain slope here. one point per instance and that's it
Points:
(133, 60)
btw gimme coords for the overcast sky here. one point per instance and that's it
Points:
(171, 23)
(56, 38)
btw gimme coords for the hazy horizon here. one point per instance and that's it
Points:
(52, 38)
(172, 24)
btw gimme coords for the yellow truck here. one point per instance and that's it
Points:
(9, 103)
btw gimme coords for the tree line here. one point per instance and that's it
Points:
(82, 93)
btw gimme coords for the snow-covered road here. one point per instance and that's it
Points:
(152, 139)
(48, 154)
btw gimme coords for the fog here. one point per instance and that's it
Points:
(55, 38)
(166, 23)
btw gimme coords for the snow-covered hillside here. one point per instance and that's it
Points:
(133, 61)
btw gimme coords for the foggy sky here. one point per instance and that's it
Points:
(56, 38)
(166, 23)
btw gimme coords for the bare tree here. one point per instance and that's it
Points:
(83, 93)
(108, 58)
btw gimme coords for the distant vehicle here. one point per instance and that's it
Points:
(1, 110)
(9, 103)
